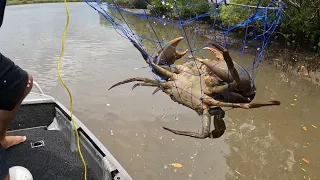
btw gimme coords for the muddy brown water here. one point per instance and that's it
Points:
(266, 143)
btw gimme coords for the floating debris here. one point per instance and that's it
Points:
(304, 128)
(293, 104)
(305, 160)
(314, 126)
(295, 99)
(173, 139)
(176, 165)
(234, 130)
(238, 172)
(303, 169)
(108, 104)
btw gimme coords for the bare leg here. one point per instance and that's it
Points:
(205, 128)
(7, 177)
(7, 116)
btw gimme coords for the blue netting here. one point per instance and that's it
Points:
(241, 28)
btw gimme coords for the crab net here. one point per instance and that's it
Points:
(243, 27)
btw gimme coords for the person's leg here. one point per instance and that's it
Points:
(7, 177)
(7, 116)
(8, 141)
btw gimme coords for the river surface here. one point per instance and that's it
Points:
(260, 144)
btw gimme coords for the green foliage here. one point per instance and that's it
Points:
(299, 28)
(120, 2)
(302, 26)
(231, 15)
(161, 8)
(140, 4)
(185, 9)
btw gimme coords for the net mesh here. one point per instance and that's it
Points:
(244, 29)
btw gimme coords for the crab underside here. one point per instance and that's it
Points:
(203, 85)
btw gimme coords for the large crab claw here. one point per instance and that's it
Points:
(169, 54)
(241, 90)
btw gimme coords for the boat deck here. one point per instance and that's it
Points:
(54, 160)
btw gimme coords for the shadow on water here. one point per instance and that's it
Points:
(266, 143)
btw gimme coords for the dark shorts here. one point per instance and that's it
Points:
(4, 168)
(13, 82)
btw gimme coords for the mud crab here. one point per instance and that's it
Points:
(216, 84)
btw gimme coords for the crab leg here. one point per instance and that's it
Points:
(144, 84)
(204, 131)
(235, 97)
(219, 124)
(171, 69)
(258, 105)
(156, 90)
(210, 101)
(145, 80)
(162, 71)
(219, 89)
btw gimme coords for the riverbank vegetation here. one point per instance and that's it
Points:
(294, 46)
(298, 31)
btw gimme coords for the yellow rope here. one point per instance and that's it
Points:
(59, 60)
